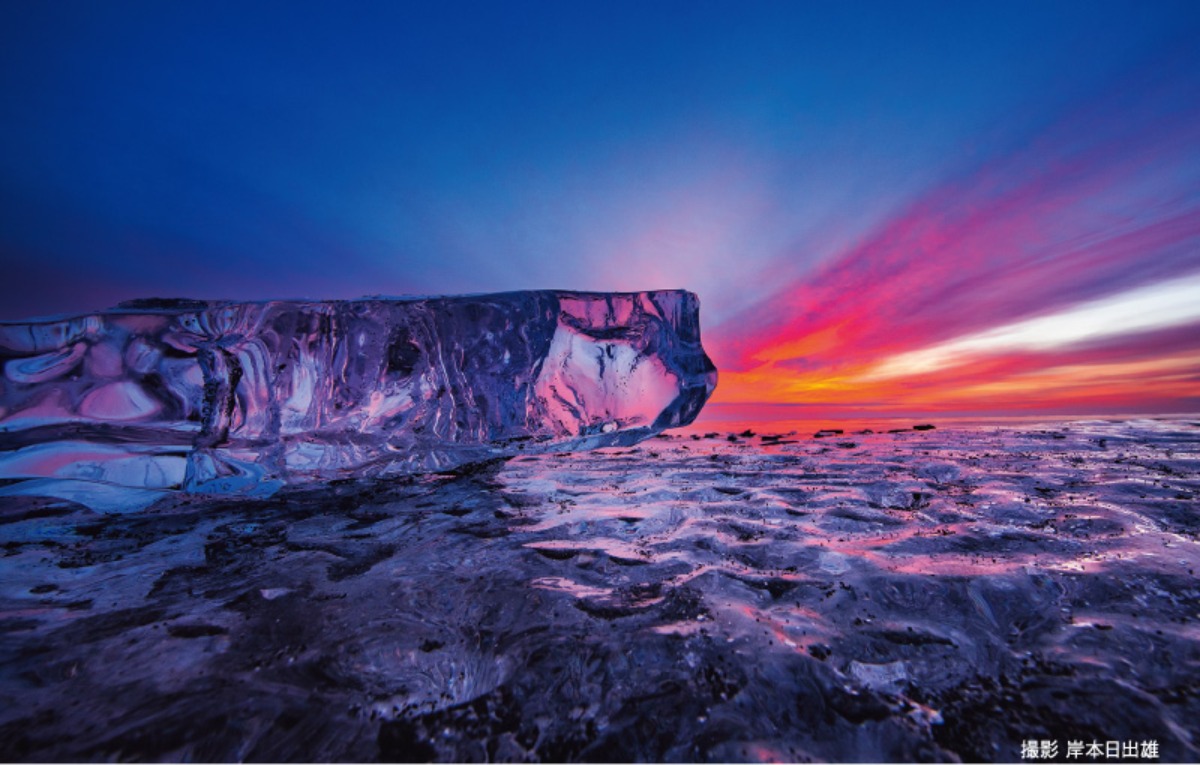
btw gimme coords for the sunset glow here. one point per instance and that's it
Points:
(1063, 275)
(1158, 306)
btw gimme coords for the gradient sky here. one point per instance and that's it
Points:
(885, 207)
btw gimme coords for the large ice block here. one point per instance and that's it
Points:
(225, 397)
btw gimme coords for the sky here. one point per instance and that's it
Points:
(884, 207)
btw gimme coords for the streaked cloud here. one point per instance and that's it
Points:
(1157, 306)
(1054, 259)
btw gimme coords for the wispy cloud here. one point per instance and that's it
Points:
(1157, 306)
(1083, 239)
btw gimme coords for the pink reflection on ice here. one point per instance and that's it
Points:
(770, 528)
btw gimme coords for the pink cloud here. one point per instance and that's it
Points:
(1100, 202)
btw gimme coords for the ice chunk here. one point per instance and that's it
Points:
(227, 397)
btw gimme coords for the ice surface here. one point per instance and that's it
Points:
(220, 397)
(687, 599)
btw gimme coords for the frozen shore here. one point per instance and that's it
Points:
(937, 594)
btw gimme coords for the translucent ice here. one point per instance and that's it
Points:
(222, 397)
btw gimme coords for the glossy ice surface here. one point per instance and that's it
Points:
(224, 398)
(915, 596)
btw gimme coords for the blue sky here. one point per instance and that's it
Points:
(292, 149)
(744, 151)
